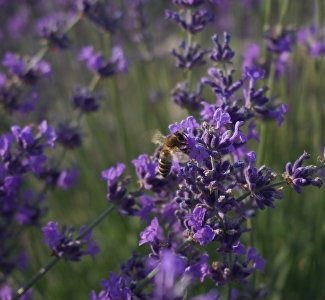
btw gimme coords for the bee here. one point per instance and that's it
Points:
(175, 147)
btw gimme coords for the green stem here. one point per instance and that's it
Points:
(152, 274)
(121, 126)
(263, 127)
(318, 12)
(41, 53)
(35, 278)
(142, 284)
(21, 291)
(267, 15)
(94, 82)
(97, 221)
(284, 9)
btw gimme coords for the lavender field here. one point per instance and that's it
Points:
(162, 149)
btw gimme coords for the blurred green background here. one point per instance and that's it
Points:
(291, 237)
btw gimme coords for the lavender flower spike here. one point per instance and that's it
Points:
(65, 246)
(298, 176)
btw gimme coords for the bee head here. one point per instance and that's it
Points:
(180, 136)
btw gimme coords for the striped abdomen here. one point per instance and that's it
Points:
(165, 162)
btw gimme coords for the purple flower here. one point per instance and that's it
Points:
(65, 246)
(97, 63)
(316, 49)
(51, 28)
(212, 295)
(238, 248)
(52, 235)
(257, 182)
(199, 269)
(34, 144)
(114, 288)
(152, 233)
(188, 3)
(220, 118)
(113, 173)
(188, 125)
(47, 132)
(197, 151)
(222, 52)
(189, 56)
(195, 219)
(30, 210)
(85, 100)
(28, 70)
(258, 261)
(256, 99)
(222, 84)
(193, 24)
(204, 235)
(309, 38)
(147, 206)
(170, 268)
(67, 178)
(297, 176)
(17, 24)
(279, 41)
(146, 171)
(69, 136)
(251, 56)
(182, 97)
(104, 15)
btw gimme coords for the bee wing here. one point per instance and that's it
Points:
(180, 156)
(158, 138)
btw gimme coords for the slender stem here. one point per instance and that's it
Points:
(120, 122)
(152, 274)
(263, 127)
(142, 284)
(94, 82)
(267, 15)
(98, 220)
(35, 278)
(42, 51)
(21, 291)
(284, 9)
(318, 12)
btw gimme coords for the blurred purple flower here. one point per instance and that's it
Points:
(69, 136)
(171, 266)
(68, 178)
(85, 100)
(193, 23)
(26, 69)
(182, 97)
(51, 28)
(97, 63)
